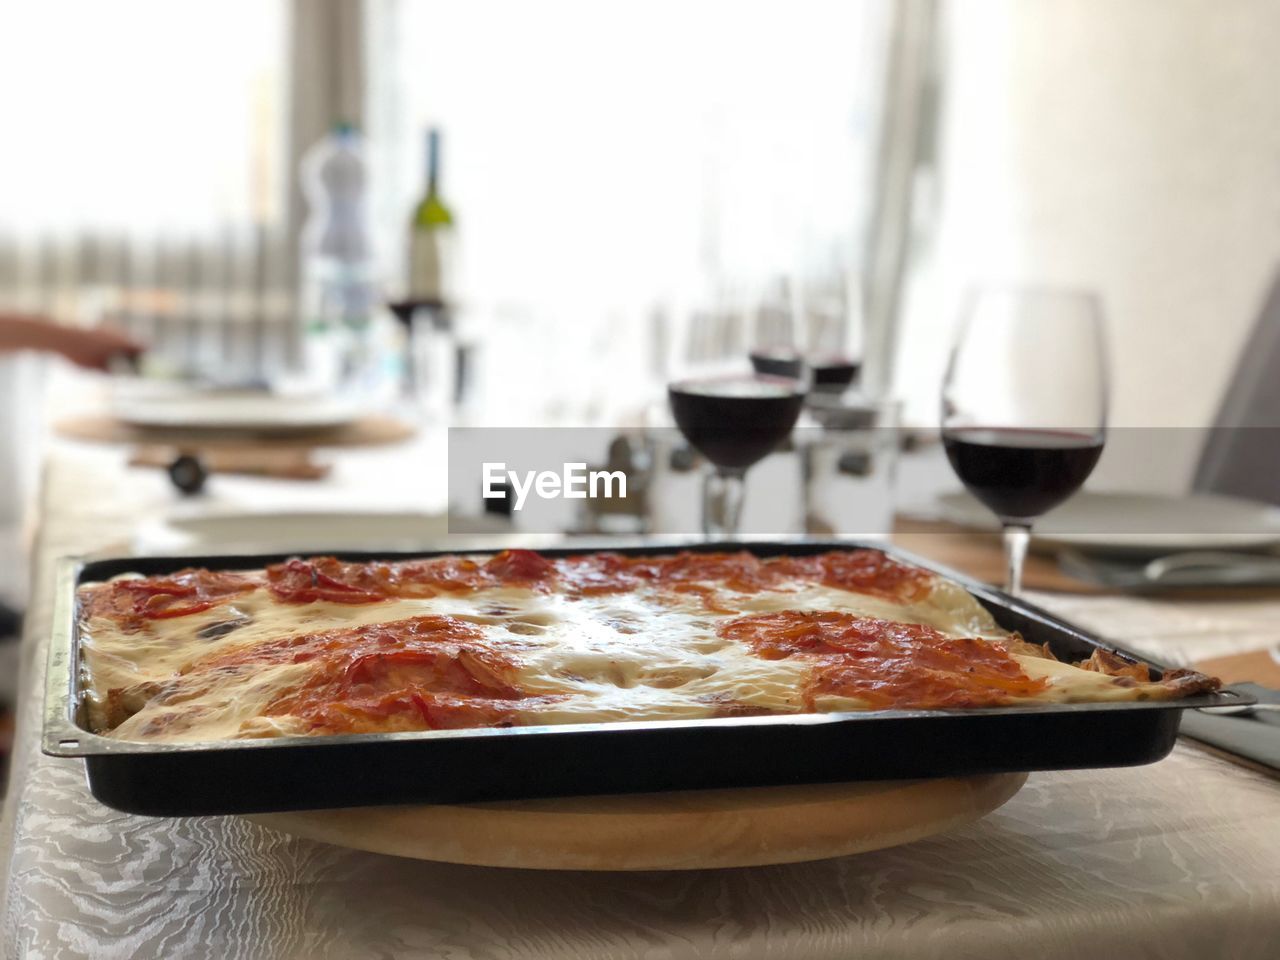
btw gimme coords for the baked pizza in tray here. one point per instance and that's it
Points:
(324, 646)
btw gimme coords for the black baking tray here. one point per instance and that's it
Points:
(285, 773)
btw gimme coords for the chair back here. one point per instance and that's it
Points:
(1241, 455)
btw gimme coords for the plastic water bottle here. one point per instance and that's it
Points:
(338, 292)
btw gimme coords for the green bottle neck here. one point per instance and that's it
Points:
(432, 211)
(433, 163)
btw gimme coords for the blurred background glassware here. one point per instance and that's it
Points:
(816, 326)
(632, 453)
(437, 367)
(338, 290)
(709, 332)
(777, 345)
(848, 464)
(735, 422)
(696, 337)
(831, 301)
(1024, 404)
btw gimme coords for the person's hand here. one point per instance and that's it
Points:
(92, 348)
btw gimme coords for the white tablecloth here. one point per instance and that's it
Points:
(1177, 859)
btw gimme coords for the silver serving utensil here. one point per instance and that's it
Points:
(1198, 568)
(1245, 566)
(1241, 708)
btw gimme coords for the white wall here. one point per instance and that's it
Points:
(1129, 146)
(22, 378)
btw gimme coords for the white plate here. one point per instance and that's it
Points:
(248, 531)
(1136, 523)
(176, 406)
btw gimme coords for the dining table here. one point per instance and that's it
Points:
(1176, 859)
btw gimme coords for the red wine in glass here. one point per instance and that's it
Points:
(734, 422)
(833, 374)
(1024, 404)
(827, 373)
(1020, 474)
(777, 362)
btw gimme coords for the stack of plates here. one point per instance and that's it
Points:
(1136, 541)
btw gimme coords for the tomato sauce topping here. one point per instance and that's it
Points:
(708, 574)
(327, 578)
(714, 577)
(338, 581)
(421, 673)
(883, 663)
(861, 571)
(520, 567)
(131, 602)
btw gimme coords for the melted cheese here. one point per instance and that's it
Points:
(612, 657)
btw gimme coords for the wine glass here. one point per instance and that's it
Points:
(811, 333)
(735, 422)
(1024, 405)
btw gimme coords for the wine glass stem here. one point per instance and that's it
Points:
(722, 495)
(1016, 538)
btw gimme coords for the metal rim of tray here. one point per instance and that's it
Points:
(65, 737)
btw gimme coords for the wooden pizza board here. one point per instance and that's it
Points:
(690, 830)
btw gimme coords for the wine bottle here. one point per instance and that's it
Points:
(431, 236)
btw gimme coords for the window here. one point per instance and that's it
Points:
(144, 151)
(604, 159)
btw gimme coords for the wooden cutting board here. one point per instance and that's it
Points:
(689, 830)
(1257, 666)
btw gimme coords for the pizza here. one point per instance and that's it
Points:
(318, 645)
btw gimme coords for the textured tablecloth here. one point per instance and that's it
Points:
(1177, 859)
